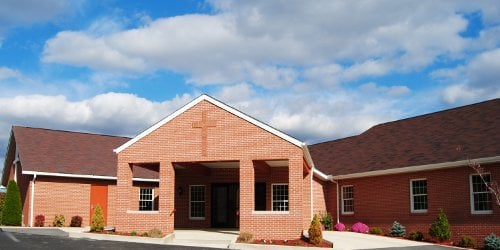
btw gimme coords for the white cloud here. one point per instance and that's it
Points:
(373, 88)
(271, 43)
(114, 113)
(6, 73)
(477, 80)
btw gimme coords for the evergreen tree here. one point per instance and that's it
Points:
(97, 220)
(2, 201)
(440, 229)
(397, 229)
(12, 210)
(315, 234)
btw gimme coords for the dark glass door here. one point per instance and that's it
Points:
(225, 204)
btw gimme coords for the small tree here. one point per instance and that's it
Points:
(440, 228)
(2, 201)
(97, 220)
(397, 229)
(12, 210)
(315, 234)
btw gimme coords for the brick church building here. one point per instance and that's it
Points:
(208, 165)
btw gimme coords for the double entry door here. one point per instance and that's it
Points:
(225, 205)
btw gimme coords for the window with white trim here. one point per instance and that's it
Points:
(418, 195)
(347, 199)
(480, 195)
(197, 202)
(280, 197)
(146, 199)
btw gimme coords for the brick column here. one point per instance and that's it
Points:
(246, 195)
(123, 190)
(166, 196)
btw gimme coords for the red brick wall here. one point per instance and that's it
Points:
(378, 201)
(67, 196)
(320, 189)
(233, 139)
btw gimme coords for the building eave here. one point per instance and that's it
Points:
(417, 168)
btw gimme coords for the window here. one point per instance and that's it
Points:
(347, 199)
(418, 195)
(280, 197)
(197, 202)
(480, 194)
(146, 199)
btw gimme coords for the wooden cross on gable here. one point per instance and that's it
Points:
(204, 124)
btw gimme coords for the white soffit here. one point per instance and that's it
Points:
(218, 104)
(225, 164)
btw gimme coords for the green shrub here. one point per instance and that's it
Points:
(145, 234)
(58, 221)
(492, 242)
(2, 201)
(155, 233)
(440, 228)
(418, 236)
(467, 242)
(76, 221)
(133, 233)
(376, 230)
(12, 209)
(245, 237)
(39, 220)
(326, 220)
(397, 229)
(315, 234)
(97, 224)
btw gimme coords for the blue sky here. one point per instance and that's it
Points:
(317, 70)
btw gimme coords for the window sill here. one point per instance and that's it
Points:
(419, 212)
(271, 212)
(482, 212)
(142, 212)
(197, 218)
(347, 214)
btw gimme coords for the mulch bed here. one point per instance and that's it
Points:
(296, 242)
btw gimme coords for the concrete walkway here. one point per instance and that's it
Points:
(226, 239)
(350, 240)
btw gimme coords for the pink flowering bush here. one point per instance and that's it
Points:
(359, 227)
(339, 227)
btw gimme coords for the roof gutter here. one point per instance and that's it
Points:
(418, 168)
(84, 176)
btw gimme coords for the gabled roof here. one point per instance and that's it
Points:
(418, 141)
(64, 152)
(220, 105)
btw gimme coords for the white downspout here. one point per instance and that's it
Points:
(338, 213)
(32, 202)
(312, 193)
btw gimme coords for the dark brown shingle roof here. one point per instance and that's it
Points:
(56, 151)
(426, 139)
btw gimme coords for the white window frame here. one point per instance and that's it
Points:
(412, 195)
(152, 198)
(344, 199)
(273, 200)
(472, 209)
(204, 202)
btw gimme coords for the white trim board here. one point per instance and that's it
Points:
(219, 104)
(410, 169)
(85, 176)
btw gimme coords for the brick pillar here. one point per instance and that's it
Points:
(166, 196)
(296, 192)
(246, 195)
(123, 190)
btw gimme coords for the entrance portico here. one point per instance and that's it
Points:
(211, 160)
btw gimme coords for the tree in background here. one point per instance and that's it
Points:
(12, 209)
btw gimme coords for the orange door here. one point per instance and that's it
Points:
(99, 195)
